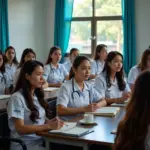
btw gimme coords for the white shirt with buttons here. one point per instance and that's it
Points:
(17, 108)
(111, 92)
(55, 75)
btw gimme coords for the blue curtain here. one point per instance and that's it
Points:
(63, 17)
(4, 33)
(129, 49)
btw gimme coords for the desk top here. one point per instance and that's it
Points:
(101, 134)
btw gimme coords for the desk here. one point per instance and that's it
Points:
(101, 134)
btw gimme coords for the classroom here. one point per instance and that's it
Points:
(74, 74)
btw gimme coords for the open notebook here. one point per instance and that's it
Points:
(50, 89)
(70, 129)
(119, 104)
(2, 97)
(106, 111)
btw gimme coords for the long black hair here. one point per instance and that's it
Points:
(24, 85)
(2, 68)
(76, 63)
(119, 75)
(52, 50)
(15, 61)
(25, 52)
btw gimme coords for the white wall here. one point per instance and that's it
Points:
(31, 25)
(142, 21)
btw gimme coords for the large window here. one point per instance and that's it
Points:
(96, 22)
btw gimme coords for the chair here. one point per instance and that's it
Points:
(52, 107)
(5, 134)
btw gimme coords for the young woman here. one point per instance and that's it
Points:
(98, 63)
(110, 83)
(142, 66)
(27, 108)
(4, 77)
(76, 96)
(11, 62)
(133, 132)
(28, 54)
(54, 72)
(74, 52)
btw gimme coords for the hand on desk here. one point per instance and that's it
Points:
(55, 124)
(125, 96)
(91, 108)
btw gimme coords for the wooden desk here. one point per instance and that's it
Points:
(101, 134)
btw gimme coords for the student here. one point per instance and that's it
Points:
(98, 63)
(11, 62)
(4, 77)
(54, 72)
(110, 83)
(133, 131)
(136, 70)
(76, 96)
(27, 108)
(74, 52)
(28, 54)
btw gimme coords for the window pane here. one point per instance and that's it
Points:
(108, 7)
(80, 36)
(110, 33)
(82, 8)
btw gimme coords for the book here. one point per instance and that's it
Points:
(3, 97)
(118, 104)
(71, 129)
(50, 89)
(106, 111)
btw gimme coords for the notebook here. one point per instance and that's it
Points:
(118, 104)
(71, 129)
(2, 97)
(106, 111)
(114, 131)
(50, 89)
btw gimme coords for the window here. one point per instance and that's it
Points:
(96, 22)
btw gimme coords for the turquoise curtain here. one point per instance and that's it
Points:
(63, 17)
(4, 33)
(129, 49)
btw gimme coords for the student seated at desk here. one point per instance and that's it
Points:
(98, 63)
(142, 66)
(55, 73)
(28, 54)
(133, 131)
(110, 83)
(4, 77)
(76, 96)
(27, 109)
(11, 63)
(74, 52)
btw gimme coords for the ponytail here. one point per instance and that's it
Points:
(71, 73)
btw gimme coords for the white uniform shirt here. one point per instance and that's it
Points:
(97, 67)
(15, 77)
(71, 96)
(4, 81)
(11, 70)
(112, 92)
(133, 74)
(17, 108)
(55, 75)
(68, 65)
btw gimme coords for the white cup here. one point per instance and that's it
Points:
(88, 118)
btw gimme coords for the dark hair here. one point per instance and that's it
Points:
(119, 75)
(143, 62)
(15, 61)
(2, 68)
(52, 50)
(73, 50)
(76, 63)
(132, 130)
(98, 50)
(24, 85)
(25, 52)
